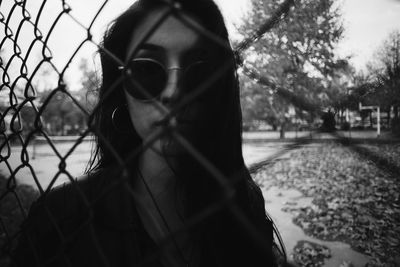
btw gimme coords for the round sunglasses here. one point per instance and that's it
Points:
(146, 79)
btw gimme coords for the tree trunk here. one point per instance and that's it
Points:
(370, 120)
(282, 131)
(62, 124)
(396, 111)
(341, 116)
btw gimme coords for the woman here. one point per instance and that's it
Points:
(167, 185)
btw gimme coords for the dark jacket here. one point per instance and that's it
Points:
(93, 222)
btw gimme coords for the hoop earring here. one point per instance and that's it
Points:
(121, 120)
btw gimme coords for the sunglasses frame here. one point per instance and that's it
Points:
(128, 75)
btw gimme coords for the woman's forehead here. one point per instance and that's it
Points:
(171, 36)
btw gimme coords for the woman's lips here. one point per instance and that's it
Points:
(174, 122)
(186, 128)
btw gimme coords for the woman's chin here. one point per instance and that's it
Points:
(176, 146)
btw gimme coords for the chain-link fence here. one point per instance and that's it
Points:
(21, 93)
(22, 130)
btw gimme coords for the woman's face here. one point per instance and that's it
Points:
(166, 64)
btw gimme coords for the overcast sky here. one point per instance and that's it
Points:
(367, 23)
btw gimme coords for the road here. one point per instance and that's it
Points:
(45, 162)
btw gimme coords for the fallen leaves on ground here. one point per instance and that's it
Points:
(310, 254)
(390, 152)
(353, 201)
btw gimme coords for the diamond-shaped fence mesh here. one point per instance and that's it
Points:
(24, 124)
(104, 197)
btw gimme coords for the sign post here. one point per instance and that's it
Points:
(378, 118)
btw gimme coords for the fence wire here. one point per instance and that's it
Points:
(19, 92)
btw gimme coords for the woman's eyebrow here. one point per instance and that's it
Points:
(200, 51)
(151, 47)
(197, 49)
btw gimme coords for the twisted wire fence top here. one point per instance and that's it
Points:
(29, 64)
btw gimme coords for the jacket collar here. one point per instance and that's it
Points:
(112, 200)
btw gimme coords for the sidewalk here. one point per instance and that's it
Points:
(282, 202)
(356, 136)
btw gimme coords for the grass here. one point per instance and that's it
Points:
(14, 205)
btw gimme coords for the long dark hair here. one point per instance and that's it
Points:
(222, 147)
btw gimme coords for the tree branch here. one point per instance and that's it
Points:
(276, 17)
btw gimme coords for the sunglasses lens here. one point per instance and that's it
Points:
(196, 75)
(146, 80)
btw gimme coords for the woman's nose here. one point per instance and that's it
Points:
(172, 90)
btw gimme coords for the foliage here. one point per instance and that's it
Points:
(90, 82)
(259, 105)
(297, 55)
(381, 86)
(61, 116)
(388, 79)
(65, 112)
